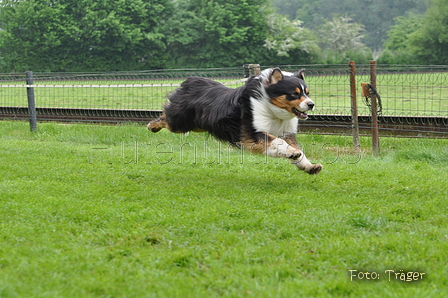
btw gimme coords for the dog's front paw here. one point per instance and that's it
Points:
(295, 155)
(314, 169)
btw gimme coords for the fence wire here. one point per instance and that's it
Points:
(404, 90)
(144, 90)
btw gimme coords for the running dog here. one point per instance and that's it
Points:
(261, 116)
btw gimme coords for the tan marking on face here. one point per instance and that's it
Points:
(288, 105)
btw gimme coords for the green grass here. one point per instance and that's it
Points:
(114, 211)
(415, 94)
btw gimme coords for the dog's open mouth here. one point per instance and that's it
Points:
(300, 115)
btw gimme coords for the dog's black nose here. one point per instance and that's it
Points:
(311, 105)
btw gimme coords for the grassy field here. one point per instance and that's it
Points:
(114, 211)
(417, 94)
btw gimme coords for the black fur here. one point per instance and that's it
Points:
(201, 103)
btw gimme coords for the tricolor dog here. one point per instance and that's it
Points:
(261, 116)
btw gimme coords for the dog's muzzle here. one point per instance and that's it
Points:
(300, 115)
(308, 106)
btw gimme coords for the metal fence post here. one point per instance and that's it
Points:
(354, 108)
(375, 134)
(31, 102)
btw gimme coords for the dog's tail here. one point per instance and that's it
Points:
(158, 124)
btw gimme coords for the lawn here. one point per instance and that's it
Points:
(115, 211)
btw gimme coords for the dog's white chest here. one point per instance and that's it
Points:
(272, 119)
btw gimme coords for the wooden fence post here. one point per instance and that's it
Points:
(251, 69)
(375, 133)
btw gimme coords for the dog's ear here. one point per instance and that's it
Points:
(301, 74)
(276, 76)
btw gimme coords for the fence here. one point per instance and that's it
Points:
(412, 97)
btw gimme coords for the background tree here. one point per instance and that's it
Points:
(288, 42)
(376, 16)
(341, 41)
(107, 35)
(83, 35)
(216, 33)
(429, 42)
(397, 48)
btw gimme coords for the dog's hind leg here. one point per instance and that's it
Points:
(302, 163)
(158, 124)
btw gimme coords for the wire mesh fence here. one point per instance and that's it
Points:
(145, 90)
(404, 90)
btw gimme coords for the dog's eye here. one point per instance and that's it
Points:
(295, 94)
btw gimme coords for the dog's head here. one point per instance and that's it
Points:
(288, 91)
